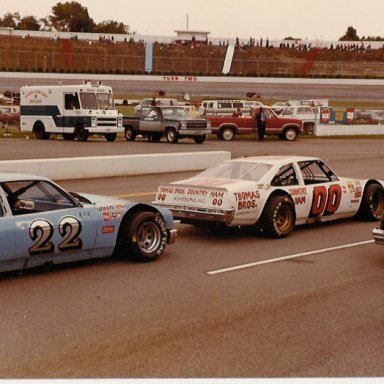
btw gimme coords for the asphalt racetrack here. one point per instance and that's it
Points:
(349, 90)
(316, 308)
(215, 305)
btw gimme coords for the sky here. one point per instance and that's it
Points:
(274, 19)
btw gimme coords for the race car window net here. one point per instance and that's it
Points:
(285, 176)
(237, 171)
(316, 171)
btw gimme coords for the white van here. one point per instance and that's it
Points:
(226, 107)
(74, 111)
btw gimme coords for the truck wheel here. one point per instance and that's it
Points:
(290, 134)
(68, 136)
(171, 135)
(39, 131)
(199, 139)
(111, 136)
(143, 238)
(130, 134)
(278, 219)
(372, 203)
(227, 134)
(82, 134)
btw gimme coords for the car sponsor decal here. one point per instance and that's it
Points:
(191, 195)
(298, 195)
(111, 212)
(246, 200)
(108, 229)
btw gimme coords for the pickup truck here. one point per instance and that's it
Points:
(174, 123)
(226, 127)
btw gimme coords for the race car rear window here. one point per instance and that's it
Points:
(237, 170)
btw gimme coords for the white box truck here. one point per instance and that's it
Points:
(74, 111)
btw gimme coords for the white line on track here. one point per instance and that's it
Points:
(295, 256)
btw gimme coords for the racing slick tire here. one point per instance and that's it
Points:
(200, 139)
(143, 238)
(110, 136)
(171, 136)
(130, 134)
(278, 219)
(39, 131)
(227, 134)
(372, 203)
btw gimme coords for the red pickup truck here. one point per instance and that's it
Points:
(226, 127)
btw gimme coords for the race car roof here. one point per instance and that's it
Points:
(15, 176)
(274, 160)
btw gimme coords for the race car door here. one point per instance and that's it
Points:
(326, 196)
(47, 225)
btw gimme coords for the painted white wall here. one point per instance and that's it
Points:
(108, 166)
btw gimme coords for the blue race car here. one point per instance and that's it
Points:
(41, 223)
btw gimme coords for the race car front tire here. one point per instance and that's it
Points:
(278, 218)
(143, 238)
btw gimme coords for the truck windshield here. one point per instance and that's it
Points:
(105, 101)
(88, 100)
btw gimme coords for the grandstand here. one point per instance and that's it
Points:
(127, 56)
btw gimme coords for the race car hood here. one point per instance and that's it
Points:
(98, 200)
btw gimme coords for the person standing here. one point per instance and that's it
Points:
(261, 119)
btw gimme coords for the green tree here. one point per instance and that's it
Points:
(10, 20)
(350, 35)
(29, 23)
(111, 26)
(71, 17)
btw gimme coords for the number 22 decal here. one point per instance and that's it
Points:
(41, 232)
(325, 202)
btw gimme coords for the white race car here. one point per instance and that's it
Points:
(273, 192)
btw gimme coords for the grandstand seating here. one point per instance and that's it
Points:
(75, 55)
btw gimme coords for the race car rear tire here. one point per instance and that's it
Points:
(372, 203)
(143, 238)
(278, 219)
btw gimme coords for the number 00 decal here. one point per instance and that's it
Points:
(41, 232)
(325, 202)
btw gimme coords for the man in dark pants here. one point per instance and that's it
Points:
(261, 120)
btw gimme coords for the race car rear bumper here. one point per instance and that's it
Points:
(202, 214)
